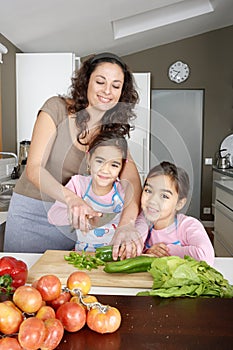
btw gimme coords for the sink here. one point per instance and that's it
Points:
(6, 191)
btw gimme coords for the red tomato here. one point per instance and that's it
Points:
(61, 299)
(31, 333)
(45, 312)
(72, 316)
(87, 299)
(54, 331)
(10, 318)
(104, 321)
(28, 299)
(49, 287)
(79, 280)
(10, 344)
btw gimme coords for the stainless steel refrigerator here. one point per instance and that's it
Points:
(176, 136)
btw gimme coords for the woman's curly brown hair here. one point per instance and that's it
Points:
(116, 119)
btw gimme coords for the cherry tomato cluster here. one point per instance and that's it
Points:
(37, 315)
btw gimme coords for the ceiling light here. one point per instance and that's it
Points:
(160, 17)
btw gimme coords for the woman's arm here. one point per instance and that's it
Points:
(43, 137)
(126, 232)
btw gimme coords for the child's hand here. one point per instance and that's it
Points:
(126, 242)
(158, 250)
(79, 214)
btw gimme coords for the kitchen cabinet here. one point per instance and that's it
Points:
(219, 174)
(38, 77)
(223, 219)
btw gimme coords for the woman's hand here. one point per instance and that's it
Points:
(158, 250)
(79, 214)
(126, 242)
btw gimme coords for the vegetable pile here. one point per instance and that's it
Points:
(84, 261)
(38, 315)
(176, 277)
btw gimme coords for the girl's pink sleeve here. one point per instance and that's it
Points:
(194, 240)
(58, 213)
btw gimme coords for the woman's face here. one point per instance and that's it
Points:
(105, 86)
(105, 165)
(160, 201)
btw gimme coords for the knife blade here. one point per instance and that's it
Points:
(99, 221)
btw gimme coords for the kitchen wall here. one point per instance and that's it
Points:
(210, 57)
(8, 95)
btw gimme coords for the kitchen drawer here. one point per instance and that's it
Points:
(217, 176)
(223, 225)
(225, 198)
(219, 248)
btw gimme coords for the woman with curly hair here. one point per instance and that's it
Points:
(102, 98)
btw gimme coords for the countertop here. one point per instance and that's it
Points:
(158, 323)
(152, 323)
(222, 264)
(228, 172)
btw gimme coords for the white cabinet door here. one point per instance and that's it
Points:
(139, 142)
(38, 77)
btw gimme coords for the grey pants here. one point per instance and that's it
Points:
(28, 230)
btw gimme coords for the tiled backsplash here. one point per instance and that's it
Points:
(6, 167)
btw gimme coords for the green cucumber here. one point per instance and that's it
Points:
(104, 253)
(131, 265)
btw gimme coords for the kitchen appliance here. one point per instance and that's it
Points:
(223, 162)
(23, 151)
(227, 144)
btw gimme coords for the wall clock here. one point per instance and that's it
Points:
(178, 72)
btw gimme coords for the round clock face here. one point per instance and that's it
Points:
(178, 72)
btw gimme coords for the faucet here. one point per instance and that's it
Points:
(11, 154)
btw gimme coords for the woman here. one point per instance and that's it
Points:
(102, 98)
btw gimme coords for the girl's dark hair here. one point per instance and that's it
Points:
(177, 175)
(110, 139)
(116, 119)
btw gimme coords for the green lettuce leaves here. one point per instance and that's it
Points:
(176, 277)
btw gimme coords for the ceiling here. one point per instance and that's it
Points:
(86, 27)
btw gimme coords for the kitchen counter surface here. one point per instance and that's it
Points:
(228, 172)
(223, 265)
(158, 323)
(151, 323)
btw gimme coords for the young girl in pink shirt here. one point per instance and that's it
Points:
(170, 233)
(102, 190)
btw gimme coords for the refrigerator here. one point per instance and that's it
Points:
(176, 136)
(139, 142)
(38, 77)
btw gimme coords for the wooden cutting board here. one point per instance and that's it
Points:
(52, 262)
